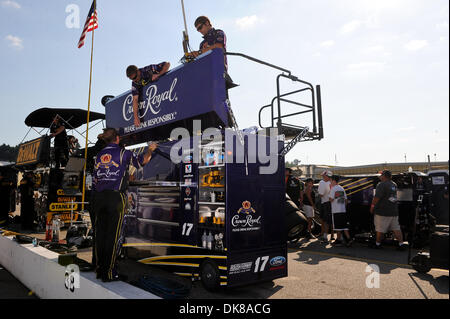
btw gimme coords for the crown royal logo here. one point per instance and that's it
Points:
(246, 208)
(152, 101)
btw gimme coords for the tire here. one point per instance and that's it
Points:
(210, 276)
(421, 263)
(316, 227)
(289, 207)
(296, 225)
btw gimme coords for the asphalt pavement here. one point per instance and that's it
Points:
(317, 271)
(11, 288)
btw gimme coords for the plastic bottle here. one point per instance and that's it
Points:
(213, 197)
(204, 239)
(209, 241)
(56, 230)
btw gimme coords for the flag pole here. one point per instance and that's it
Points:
(87, 123)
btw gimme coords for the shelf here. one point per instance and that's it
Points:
(212, 166)
(211, 203)
(219, 189)
(211, 228)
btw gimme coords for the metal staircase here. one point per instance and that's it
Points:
(293, 132)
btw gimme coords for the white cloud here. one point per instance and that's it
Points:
(10, 4)
(351, 26)
(15, 42)
(247, 22)
(416, 45)
(327, 44)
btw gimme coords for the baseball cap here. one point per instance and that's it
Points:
(327, 173)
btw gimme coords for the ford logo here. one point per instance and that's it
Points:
(277, 261)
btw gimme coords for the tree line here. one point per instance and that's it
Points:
(8, 153)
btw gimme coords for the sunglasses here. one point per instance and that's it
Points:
(134, 77)
(200, 27)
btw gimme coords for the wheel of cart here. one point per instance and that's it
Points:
(210, 275)
(437, 257)
(421, 262)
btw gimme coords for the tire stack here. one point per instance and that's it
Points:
(296, 222)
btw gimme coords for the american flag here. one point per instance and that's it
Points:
(91, 23)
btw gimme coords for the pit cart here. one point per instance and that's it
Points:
(216, 214)
(414, 205)
(56, 189)
(438, 254)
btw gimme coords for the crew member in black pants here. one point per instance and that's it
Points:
(109, 200)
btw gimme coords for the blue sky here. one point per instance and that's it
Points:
(382, 65)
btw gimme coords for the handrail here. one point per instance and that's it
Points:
(259, 61)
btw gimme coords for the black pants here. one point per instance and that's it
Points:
(61, 156)
(93, 221)
(109, 210)
(27, 213)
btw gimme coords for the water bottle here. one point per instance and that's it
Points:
(35, 242)
(209, 241)
(204, 237)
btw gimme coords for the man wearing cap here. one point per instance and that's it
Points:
(325, 207)
(142, 77)
(110, 182)
(384, 206)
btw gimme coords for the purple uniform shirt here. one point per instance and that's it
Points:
(146, 77)
(215, 36)
(111, 166)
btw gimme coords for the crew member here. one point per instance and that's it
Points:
(141, 78)
(212, 38)
(27, 213)
(58, 131)
(5, 200)
(109, 199)
(91, 158)
(294, 188)
(215, 39)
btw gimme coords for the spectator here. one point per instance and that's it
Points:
(74, 146)
(309, 199)
(325, 207)
(338, 199)
(384, 206)
(294, 188)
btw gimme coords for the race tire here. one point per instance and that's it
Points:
(296, 225)
(210, 275)
(289, 207)
(316, 227)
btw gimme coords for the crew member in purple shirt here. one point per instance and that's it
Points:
(212, 38)
(110, 181)
(142, 77)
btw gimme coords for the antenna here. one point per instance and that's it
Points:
(185, 32)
